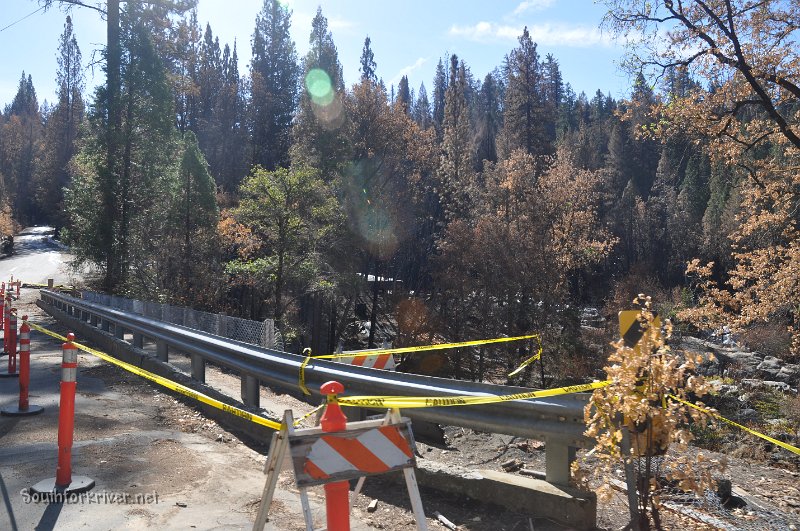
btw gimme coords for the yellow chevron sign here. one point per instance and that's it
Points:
(630, 327)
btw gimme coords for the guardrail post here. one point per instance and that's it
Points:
(105, 325)
(64, 482)
(119, 331)
(198, 368)
(337, 494)
(138, 340)
(251, 390)
(93, 320)
(558, 458)
(162, 350)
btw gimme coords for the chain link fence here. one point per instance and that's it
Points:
(261, 333)
(729, 514)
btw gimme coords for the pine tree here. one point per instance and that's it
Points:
(404, 95)
(489, 120)
(439, 89)
(318, 133)
(20, 135)
(525, 118)
(60, 133)
(553, 89)
(455, 168)
(210, 80)
(645, 153)
(229, 131)
(367, 61)
(189, 251)
(142, 191)
(422, 109)
(181, 57)
(274, 76)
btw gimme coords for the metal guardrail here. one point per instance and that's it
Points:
(558, 421)
(261, 333)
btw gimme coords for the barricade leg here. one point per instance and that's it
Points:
(337, 494)
(65, 482)
(23, 408)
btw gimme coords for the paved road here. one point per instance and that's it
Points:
(157, 462)
(137, 443)
(37, 257)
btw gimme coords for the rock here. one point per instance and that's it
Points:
(778, 386)
(511, 465)
(770, 367)
(724, 488)
(748, 414)
(789, 373)
(726, 389)
(373, 506)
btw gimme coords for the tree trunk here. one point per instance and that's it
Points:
(113, 89)
(373, 317)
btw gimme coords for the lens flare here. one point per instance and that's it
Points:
(374, 213)
(319, 86)
(330, 116)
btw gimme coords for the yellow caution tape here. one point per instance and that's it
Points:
(530, 360)
(406, 402)
(169, 384)
(302, 377)
(707, 411)
(422, 348)
(304, 417)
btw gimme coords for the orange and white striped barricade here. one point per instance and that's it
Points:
(365, 448)
(380, 360)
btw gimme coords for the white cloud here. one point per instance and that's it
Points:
(486, 31)
(407, 70)
(532, 5)
(575, 36)
(336, 23)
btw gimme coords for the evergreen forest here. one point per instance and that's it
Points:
(467, 207)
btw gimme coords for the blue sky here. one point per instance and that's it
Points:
(408, 37)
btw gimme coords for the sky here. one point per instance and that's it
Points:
(408, 38)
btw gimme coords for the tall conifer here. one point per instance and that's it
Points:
(274, 76)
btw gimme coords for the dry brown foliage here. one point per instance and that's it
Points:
(638, 400)
(746, 50)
